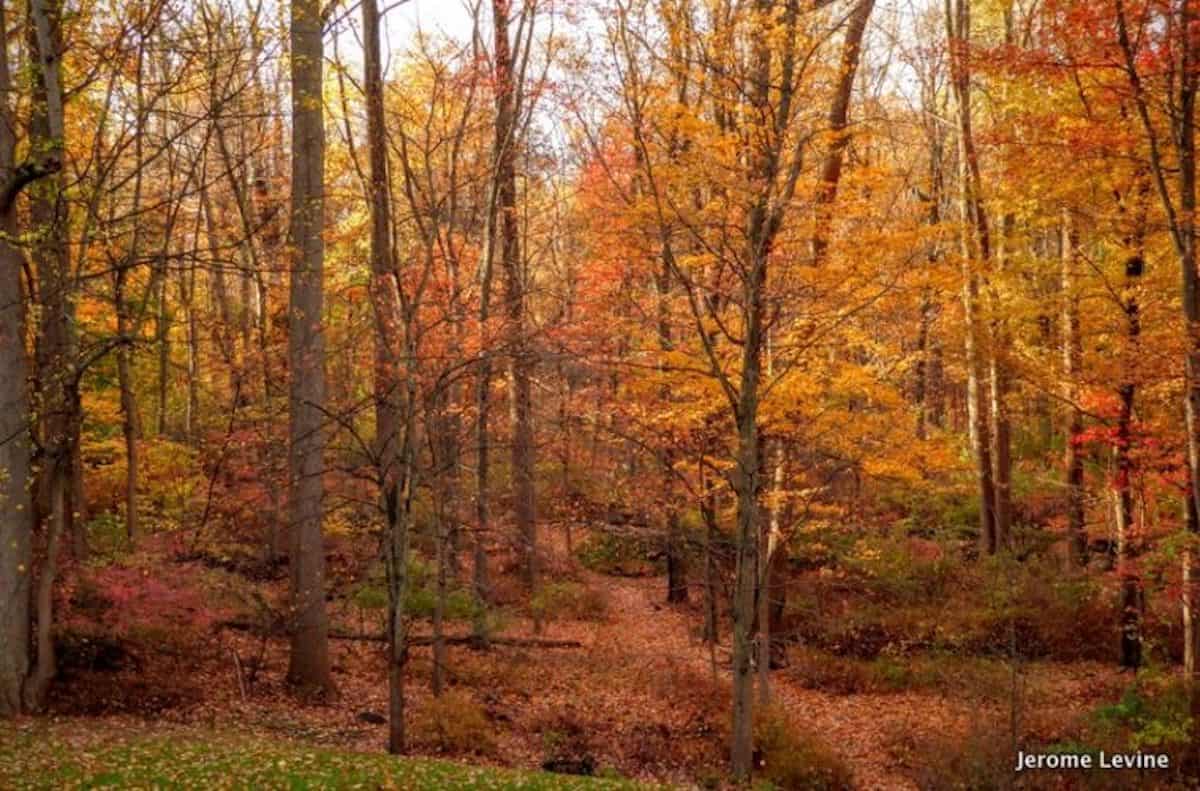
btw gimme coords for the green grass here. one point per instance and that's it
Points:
(53, 757)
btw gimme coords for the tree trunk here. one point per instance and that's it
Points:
(1181, 222)
(162, 339)
(16, 512)
(708, 511)
(520, 359)
(746, 485)
(677, 567)
(1127, 543)
(1072, 364)
(56, 354)
(676, 545)
(839, 119)
(394, 400)
(130, 429)
(46, 663)
(998, 390)
(309, 662)
(439, 607)
(398, 505)
(975, 249)
(56, 350)
(928, 386)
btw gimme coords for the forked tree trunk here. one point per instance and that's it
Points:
(56, 348)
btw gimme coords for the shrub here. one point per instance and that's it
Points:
(980, 760)
(973, 678)
(1153, 712)
(107, 538)
(567, 745)
(817, 669)
(893, 570)
(947, 513)
(461, 605)
(791, 759)
(621, 556)
(568, 601)
(455, 723)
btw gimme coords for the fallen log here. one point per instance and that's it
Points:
(413, 640)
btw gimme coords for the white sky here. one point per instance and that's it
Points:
(447, 16)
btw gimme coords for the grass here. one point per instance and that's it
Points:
(42, 756)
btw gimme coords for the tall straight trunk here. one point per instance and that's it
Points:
(162, 340)
(769, 580)
(927, 388)
(130, 422)
(976, 250)
(520, 359)
(1001, 431)
(1072, 356)
(441, 561)
(483, 405)
(192, 407)
(998, 396)
(921, 374)
(398, 508)
(708, 512)
(564, 461)
(483, 402)
(393, 398)
(16, 512)
(309, 660)
(130, 428)
(676, 547)
(746, 486)
(1127, 540)
(45, 666)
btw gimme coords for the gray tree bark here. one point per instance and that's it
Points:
(309, 661)
(520, 358)
(16, 511)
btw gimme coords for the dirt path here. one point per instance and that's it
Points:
(856, 727)
(866, 730)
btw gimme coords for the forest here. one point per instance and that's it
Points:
(786, 394)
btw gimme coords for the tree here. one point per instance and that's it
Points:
(16, 512)
(309, 664)
(57, 366)
(508, 81)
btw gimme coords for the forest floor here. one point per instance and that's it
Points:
(639, 698)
